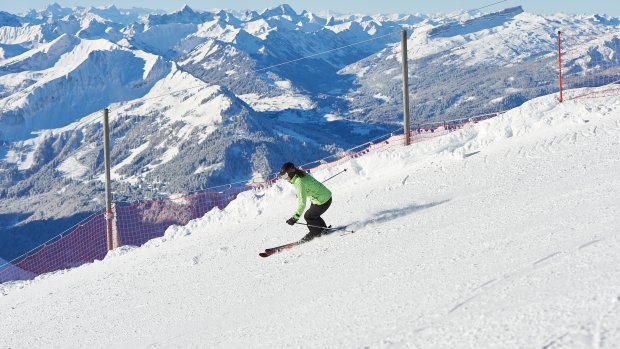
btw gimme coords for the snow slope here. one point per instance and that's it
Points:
(504, 234)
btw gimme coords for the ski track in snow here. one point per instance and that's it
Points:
(503, 234)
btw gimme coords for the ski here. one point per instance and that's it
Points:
(269, 251)
(273, 250)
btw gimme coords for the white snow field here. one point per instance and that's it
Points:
(505, 234)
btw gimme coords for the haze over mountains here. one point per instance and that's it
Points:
(200, 99)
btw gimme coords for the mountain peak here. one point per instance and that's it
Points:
(186, 9)
(55, 10)
(104, 9)
(281, 10)
(53, 6)
(185, 15)
(107, 7)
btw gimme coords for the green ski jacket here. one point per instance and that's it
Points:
(307, 186)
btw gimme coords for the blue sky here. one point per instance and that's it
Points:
(609, 7)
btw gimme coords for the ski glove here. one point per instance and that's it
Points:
(291, 221)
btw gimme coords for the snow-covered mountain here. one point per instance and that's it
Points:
(204, 98)
(485, 64)
(64, 80)
(503, 234)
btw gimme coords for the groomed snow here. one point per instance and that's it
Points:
(504, 234)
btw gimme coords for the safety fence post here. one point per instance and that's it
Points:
(109, 216)
(560, 64)
(403, 45)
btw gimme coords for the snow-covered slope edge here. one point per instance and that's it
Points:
(503, 234)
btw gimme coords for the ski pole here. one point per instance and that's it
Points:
(316, 226)
(345, 170)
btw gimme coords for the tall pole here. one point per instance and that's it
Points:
(560, 63)
(108, 189)
(403, 47)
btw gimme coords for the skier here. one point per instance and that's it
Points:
(320, 199)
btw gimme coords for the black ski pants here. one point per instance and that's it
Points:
(313, 217)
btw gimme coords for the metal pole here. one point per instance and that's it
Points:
(560, 64)
(108, 190)
(345, 170)
(403, 46)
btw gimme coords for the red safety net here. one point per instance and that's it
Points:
(81, 244)
(134, 224)
(590, 61)
(138, 223)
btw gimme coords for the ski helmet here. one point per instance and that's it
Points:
(288, 168)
